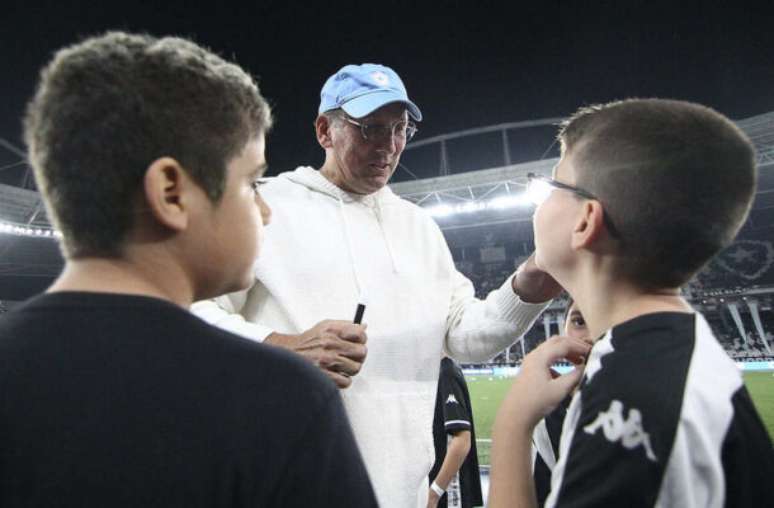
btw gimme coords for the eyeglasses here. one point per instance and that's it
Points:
(378, 132)
(539, 187)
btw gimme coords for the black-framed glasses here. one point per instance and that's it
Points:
(403, 129)
(539, 187)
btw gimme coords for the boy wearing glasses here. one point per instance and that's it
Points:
(646, 192)
(339, 235)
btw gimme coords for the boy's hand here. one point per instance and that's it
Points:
(432, 499)
(537, 390)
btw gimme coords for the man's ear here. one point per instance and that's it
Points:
(166, 186)
(589, 225)
(323, 127)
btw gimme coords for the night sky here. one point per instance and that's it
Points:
(464, 64)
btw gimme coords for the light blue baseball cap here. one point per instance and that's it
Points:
(362, 89)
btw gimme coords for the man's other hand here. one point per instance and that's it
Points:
(532, 284)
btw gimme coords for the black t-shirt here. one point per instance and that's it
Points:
(453, 413)
(662, 418)
(116, 400)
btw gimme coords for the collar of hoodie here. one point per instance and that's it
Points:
(312, 179)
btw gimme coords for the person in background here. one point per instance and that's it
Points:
(455, 480)
(545, 438)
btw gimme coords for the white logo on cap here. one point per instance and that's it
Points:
(380, 78)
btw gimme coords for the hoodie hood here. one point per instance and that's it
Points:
(314, 180)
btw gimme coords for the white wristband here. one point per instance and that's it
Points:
(438, 490)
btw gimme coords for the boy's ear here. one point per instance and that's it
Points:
(589, 225)
(166, 185)
(322, 127)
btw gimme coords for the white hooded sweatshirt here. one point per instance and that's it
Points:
(326, 250)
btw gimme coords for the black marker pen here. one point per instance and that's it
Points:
(359, 313)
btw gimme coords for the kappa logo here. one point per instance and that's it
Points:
(451, 399)
(629, 432)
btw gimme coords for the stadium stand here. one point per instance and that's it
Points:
(714, 292)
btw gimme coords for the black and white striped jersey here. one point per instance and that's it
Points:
(662, 419)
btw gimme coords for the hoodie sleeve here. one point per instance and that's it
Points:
(224, 312)
(476, 330)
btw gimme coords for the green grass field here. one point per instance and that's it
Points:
(486, 394)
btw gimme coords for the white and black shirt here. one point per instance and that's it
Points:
(662, 419)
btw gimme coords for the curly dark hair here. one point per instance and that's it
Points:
(109, 106)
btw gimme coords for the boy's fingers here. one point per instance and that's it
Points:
(568, 381)
(561, 347)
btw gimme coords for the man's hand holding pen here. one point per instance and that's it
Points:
(336, 346)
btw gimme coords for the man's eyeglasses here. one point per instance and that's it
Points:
(539, 187)
(403, 130)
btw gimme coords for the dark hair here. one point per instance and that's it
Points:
(676, 179)
(107, 107)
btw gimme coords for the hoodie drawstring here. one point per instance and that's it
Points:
(384, 235)
(313, 180)
(350, 250)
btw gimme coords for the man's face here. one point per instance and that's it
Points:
(234, 226)
(553, 222)
(365, 166)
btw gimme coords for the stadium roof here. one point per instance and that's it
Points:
(22, 207)
(759, 128)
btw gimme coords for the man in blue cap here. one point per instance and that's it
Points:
(341, 237)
